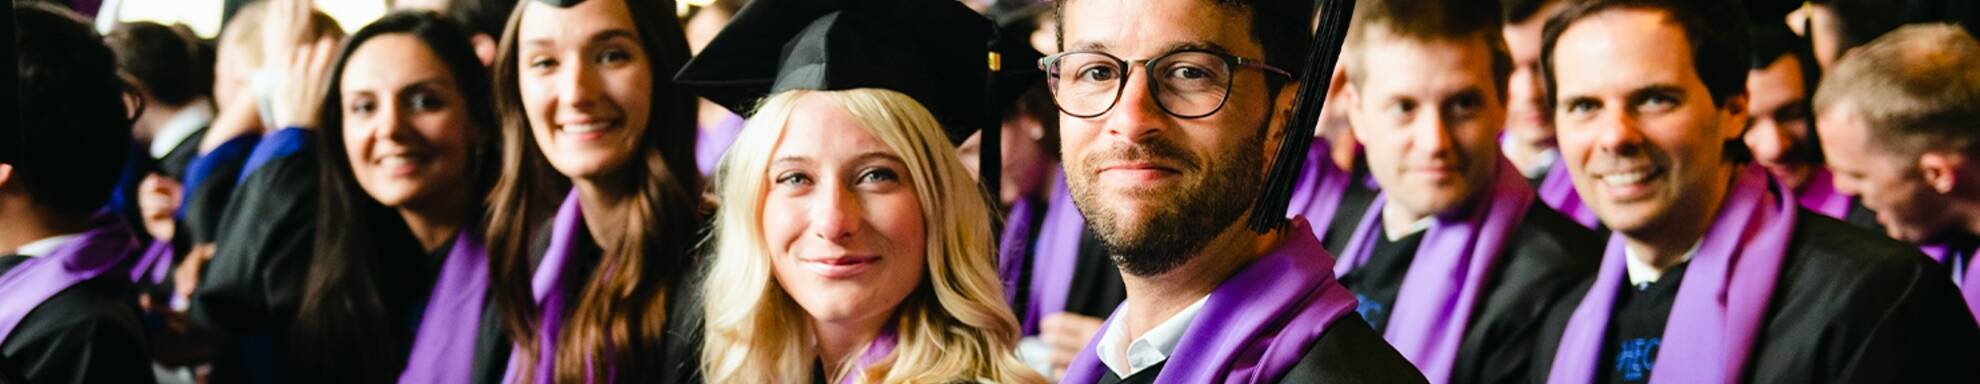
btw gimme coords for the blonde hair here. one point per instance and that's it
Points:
(954, 326)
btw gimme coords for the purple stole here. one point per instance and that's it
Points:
(711, 143)
(546, 285)
(1820, 195)
(1557, 190)
(101, 250)
(1968, 279)
(1256, 325)
(443, 348)
(1317, 196)
(1722, 304)
(1013, 245)
(882, 345)
(1448, 278)
(154, 264)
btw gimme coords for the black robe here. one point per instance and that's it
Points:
(88, 333)
(409, 273)
(678, 359)
(1544, 261)
(1850, 306)
(1347, 352)
(251, 289)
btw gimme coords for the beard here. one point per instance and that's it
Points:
(1180, 221)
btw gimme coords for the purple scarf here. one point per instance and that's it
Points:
(1820, 195)
(546, 285)
(443, 348)
(1317, 195)
(883, 345)
(1448, 277)
(1719, 309)
(1012, 247)
(1969, 282)
(101, 250)
(154, 264)
(714, 140)
(1557, 190)
(1256, 325)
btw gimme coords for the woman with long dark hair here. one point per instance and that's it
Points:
(398, 284)
(591, 119)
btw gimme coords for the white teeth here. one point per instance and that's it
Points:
(1626, 178)
(394, 161)
(583, 128)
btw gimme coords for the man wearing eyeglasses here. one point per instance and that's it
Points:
(1167, 110)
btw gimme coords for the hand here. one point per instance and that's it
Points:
(293, 48)
(186, 276)
(158, 197)
(1068, 334)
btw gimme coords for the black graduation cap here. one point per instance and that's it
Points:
(1018, 71)
(935, 51)
(561, 3)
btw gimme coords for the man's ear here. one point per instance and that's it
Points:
(1942, 170)
(6, 175)
(1734, 114)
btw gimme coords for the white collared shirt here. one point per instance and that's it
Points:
(1641, 272)
(45, 245)
(1152, 347)
(197, 115)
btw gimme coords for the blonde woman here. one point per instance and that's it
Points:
(851, 245)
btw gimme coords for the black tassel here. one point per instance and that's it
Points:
(1268, 213)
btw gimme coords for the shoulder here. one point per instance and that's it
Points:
(1841, 261)
(1547, 238)
(1351, 352)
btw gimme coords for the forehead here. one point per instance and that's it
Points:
(1389, 58)
(1145, 28)
(543, 23)
(1780, 79)
(820, 128)
(392, 60)
(1621, 50)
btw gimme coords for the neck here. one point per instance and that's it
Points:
(603, 200)
(1156, 298)
(1663, 245)
(1524, 153)
(840, 342)
(435, 226)
(1399, 221)
(27, 223)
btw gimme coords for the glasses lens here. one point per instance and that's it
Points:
(1192, 83)
(1086, 83)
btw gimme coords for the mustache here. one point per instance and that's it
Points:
(1158, 151)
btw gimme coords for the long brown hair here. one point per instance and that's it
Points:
(618, 317)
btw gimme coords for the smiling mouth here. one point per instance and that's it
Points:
(590, 129)
(399, 164)
(842, 267)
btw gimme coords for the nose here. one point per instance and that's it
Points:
(1136, 115)
(577, 85)
(1433, 136)
(1617, 133)
(835, 214)
(1767, 140)
(395, 121)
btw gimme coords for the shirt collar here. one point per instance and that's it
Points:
(46, 245)
(189, 120)
(1641, 272)
(1153, 347)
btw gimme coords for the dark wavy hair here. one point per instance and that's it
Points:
(74, 128)
(345, 331)
(617, 318)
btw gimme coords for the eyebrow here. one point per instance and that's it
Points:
(599, 37)
(1207, 46)
(862, 158)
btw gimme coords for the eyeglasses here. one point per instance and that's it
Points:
(1187, 84)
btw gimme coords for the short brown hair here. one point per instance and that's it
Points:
(1432, 20)
(1915, 89)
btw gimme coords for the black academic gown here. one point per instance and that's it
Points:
(1850, 307)
(1544, 260)
(678, 359)
(252, 287)
(88, 333)
(405, 268)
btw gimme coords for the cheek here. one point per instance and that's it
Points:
(357, 145)
(631, 88)
(898, 217)
(539, 98)
(783, 223)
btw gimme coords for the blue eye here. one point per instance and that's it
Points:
(879, 176)
(794, 179)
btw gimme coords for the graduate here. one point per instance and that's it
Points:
(1070, 284)
(1897, 118)
(1457, 261)
(1529, 140)
(1166, 158)
(397, 287)
(1780, 79)
(164, 63)
(248, 289)
(66, 316)
(851, 246)
(598, 209)
(1713, 273)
